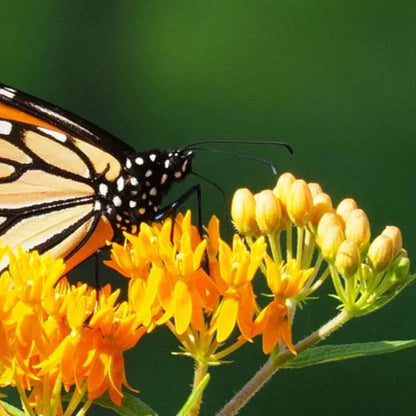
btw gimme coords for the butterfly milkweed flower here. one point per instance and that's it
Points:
(203, 288)
(206, 290)
(57, 337)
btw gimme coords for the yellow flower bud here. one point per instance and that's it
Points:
(281, 190)
(268, 211)
(380, 253)
(348, 258)
(321, 204)
(243, 208)
(327, 220)
(331, 241)
(357, 228)
(299, 203)
(345, 207)
(395, 236)
(315, 188)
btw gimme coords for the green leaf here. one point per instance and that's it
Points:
(11, 409)
(132, 406)
(328, 353)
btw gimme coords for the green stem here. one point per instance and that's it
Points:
(309, 249)
(289, 242)
(77, 395)
(226, 351)
(312, 288)
(201, 370)
(339, 288)
(195, 395)
(299, 245)
(84, 408)
(24, 400)
(274, 242)
(272, 365)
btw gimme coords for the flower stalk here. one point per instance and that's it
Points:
(201, 370)
(272, 365)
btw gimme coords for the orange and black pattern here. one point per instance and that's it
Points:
(67, 187)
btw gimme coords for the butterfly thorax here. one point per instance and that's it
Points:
(136, 195)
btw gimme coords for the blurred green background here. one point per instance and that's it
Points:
(336, 79)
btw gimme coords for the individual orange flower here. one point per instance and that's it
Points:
(114, 329)
(237, 268)
(273, 322)
(183, 272)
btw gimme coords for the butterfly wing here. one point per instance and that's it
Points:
(17, 105)
(50, 162)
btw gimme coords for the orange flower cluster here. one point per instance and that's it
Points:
(54, 335)
(204, 298)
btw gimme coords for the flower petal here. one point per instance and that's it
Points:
(183, 307)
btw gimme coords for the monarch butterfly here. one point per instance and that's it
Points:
(67, 186)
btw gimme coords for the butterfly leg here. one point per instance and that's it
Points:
(96, 269)
(170, 210)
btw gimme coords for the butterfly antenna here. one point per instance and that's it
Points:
(243, 142)
(240, 156)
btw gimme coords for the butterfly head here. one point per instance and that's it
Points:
(158, 168)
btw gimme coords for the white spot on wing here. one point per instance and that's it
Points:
(132, 204)
(55, 134)
(103, 189)
(134, 181)
(97, 206)
(139, 161)
(152, 157)
(117, 201)
(7, 92)
(120, 184)
(153, 191)
(148, 173)
(5, 127)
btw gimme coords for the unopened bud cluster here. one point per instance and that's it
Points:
(339, 234)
